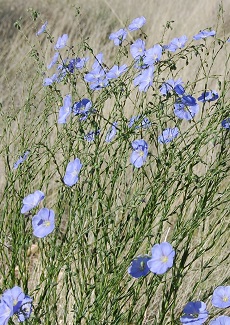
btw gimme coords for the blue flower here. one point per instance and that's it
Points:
(65, 110)
(140, 152)
(49, 81)
(153, 55)
(43, 223)
(137, 49)
(54, 60)
(83, 108)
(25, 310)
(14, 301)
(145, 122)
(17, 296)
(168, 135)
(42, 29)
(221, 320)
(21, 160)
(91, 135)
(76, 64)
(137, 23)
(208, 96)
(172, 85)
(72, 171)
(194, 313)
(176, 43)
(145, 79)
(116, 71)
(188, 100)
(139, 267)
(118, 37)
(111, 133)
(61, 42)
(185, 112)
(204, 34)
(98, 61)
(226, 123)
(221, 297)
(162, 258)
(99, 84)
(31, 201)
(62, 71)
(96, 77)
(6, 310)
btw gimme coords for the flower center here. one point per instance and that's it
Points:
(164, 259)
(47, 223)
(142, 265)
(141, 153)
(225, 298)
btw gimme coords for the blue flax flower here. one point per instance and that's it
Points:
(168, 135)
(17, 296)
(65, 110)
(14, 301)
(42, 29)
(137, 23)
(137, 49)
(162, 258)
(226, 123)
(72, 171)
(43, 223)
(172, 85)
(25, 310)
(96, 78)
(140, 152)
(98, 61)
(21, 159)
(176, 43)
(185, 112)
(111, 133)
(221, 320)
(188, 100)
(62, 71)
(139, 267)
(90, 136)
(54, 60)
(153, 55)
(221, 297)
(61, 42)
(49, 81)
(145, 79)
(143, 123)
(77, 63)
(31, 201)
(83, 108)
(116, 71)
(204, 34)
(194, 313)
(118, 37)
(6, 309)
(208, 96)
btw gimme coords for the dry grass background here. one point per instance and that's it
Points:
(97, 19)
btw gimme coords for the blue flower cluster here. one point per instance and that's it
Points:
(43, 222)
(159, 262)
(195, 312)
(15, 302)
